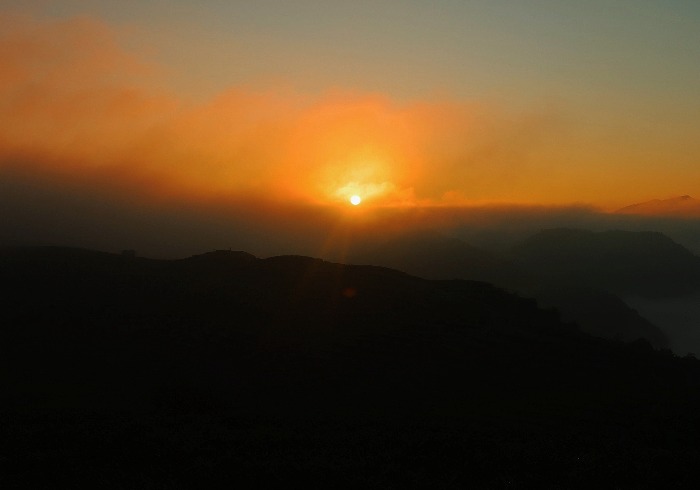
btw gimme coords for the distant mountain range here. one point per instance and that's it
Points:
(684, 206)
(431, 255)
(580, 273)
(647, 264)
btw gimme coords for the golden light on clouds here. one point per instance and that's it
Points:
(319, 149)
(74, 104)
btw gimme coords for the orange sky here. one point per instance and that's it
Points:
(77, 107)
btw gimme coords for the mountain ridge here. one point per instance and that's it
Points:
(435, 256)
(675, 206)
(127, 371)
(647, 264)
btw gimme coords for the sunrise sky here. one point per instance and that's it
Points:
(403, 103)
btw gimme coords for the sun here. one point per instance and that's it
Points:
(355, 200)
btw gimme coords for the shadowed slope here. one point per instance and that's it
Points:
(223, 367)
(642, 263)
(434, 256)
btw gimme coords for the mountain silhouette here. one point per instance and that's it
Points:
(647, 264)
(435, 256)
(431, 255)
(597, 312)
(677, 206)
(221, 368)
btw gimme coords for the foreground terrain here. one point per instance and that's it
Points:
(123, 372)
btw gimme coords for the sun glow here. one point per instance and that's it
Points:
(362, 191)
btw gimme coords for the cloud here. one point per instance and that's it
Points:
(79, 108)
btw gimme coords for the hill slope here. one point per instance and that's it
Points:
(647, 264)
(128, 372)
(434, 256)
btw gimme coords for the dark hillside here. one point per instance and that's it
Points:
(598, 312)
(133, 373)
(434, 256)
(647, 264)
(547, 279)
